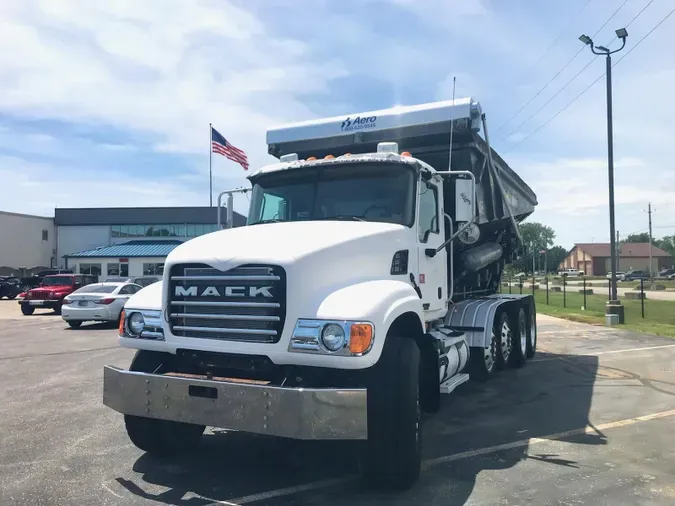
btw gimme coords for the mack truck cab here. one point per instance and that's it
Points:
(362, 288)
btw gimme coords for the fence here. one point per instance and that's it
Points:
(641, 300)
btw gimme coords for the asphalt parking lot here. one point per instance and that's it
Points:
(588, 421)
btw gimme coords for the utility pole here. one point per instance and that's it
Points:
(651, 270)
(614, 311)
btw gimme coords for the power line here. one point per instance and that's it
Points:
(559, 71)
(591, 85)
(561, 35)
(571, 80)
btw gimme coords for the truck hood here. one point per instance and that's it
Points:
(286, 243)
(149, 297)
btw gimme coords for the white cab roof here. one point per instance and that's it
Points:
(384, 119)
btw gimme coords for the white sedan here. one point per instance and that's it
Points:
(100, 302)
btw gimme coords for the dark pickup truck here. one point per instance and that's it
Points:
(10, 287)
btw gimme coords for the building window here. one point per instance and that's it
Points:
(153, 269)
(45, 235)
(93, 269)
(163, 230)
(118, 269)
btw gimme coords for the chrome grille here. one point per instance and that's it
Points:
(247, 303)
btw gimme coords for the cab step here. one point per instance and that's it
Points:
(453, 382)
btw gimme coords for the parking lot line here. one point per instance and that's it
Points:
(316, 485)
(608, 352)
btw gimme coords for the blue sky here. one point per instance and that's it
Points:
(108, 103)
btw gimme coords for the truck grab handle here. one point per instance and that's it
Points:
(432, 252)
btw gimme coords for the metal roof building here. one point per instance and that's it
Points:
(131, 249)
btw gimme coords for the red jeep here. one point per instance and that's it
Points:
(52, 291)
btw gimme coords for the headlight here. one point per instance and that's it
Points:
(136, 323)
(333, 336)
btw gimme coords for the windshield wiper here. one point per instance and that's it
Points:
(342, 217)
(271, 220)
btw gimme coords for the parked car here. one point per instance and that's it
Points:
(635, 275)
(570, 273)
(10, 287)
(139, 280)
(666, 274)
(619, 275)
(52, 291)
(101, 302)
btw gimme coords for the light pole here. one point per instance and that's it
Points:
(614, 306)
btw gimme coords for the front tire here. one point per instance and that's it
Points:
(27, 310)
(393, 456)
(159, 437)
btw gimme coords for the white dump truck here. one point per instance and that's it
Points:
(364, 286)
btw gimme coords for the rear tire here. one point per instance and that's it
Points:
(519, 341)
(75, 324)
(392, 457)
(531, 332)
(159, 437)
(27, 310)
(482, 361)
(504, 332)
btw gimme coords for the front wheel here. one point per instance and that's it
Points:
(393, 458)
(27, 310)
(162, 437)
(159, 437)
(57, 308)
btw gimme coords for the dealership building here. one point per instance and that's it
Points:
(122, 241)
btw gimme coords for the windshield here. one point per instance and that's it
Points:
(60, 281)
(96, 289)
(356, 191)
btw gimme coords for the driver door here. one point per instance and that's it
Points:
(432, 271)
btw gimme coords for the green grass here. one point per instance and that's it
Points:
(659, 314)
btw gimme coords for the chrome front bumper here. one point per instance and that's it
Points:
(297, 413)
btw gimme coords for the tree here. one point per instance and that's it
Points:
(667, 243)
(641, 237)
(536, 237)
(556, 255)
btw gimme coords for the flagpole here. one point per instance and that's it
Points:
(210, 165)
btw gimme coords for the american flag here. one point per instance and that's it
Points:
(220, 145)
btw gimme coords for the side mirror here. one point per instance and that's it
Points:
(464, 200)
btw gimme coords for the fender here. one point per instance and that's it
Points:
(378, 302)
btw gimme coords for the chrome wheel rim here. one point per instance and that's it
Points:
(533, 333)
(490, 354)
(506, 340)
(523, 335)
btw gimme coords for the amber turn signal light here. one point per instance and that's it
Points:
(121, 327)
(360, 337)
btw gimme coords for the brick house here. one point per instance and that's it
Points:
(594, 258)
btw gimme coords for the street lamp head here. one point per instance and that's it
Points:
(585, 39)
(622, 33)
(602, 48)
